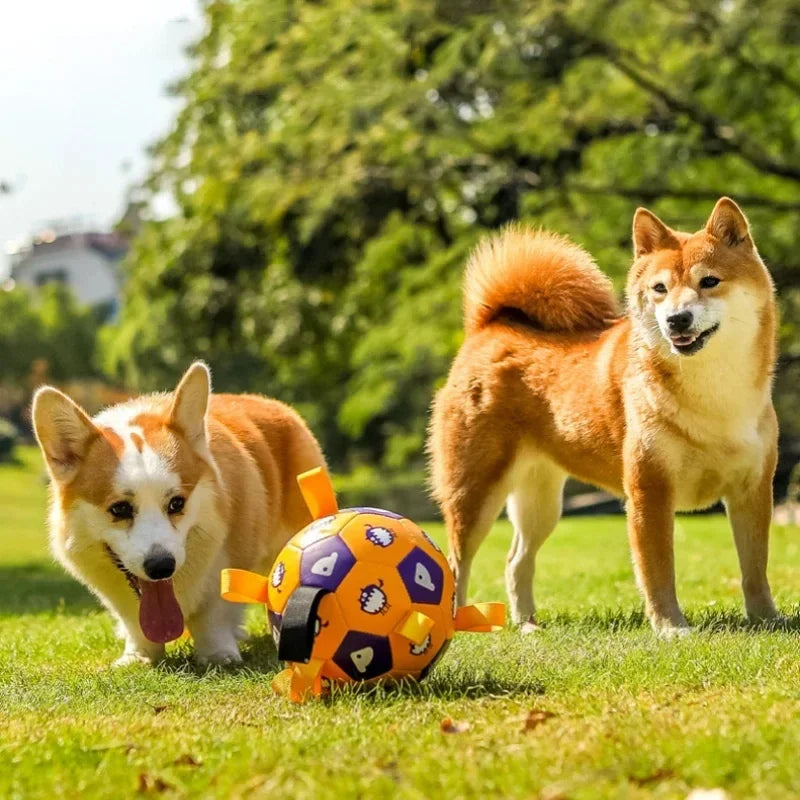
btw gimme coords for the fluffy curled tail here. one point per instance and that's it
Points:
(545, 277)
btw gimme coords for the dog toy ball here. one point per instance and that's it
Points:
(360, 594)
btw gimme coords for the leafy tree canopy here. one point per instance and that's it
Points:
(334, 161)
(51, 328)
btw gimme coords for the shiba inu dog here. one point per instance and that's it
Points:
(153, 497)
(669, 405)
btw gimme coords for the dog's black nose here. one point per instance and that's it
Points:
(680, 322)
(159, 565)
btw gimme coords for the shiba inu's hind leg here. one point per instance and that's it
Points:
(534, 508)
(472, 448)
(469, 520)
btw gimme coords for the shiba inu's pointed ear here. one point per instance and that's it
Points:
(188, 412)
(728, 223)
(63, 430)
(650, 233)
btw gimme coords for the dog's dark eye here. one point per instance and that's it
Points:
(176, 505)
(709, 282)
(659, 288)
(121, 510)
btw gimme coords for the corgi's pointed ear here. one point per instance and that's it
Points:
(728, 223)
(190, 403)
(650, 233)
(63, 430)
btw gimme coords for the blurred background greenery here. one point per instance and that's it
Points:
(334, 162)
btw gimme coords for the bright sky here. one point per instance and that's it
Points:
(82, 93)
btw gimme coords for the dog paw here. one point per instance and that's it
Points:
(769, 620)
(127, 659)
(765, 613)
(529, 626)
(223, 656)
(672, 632)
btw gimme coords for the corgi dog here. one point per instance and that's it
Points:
(153, 497)
(668, 405)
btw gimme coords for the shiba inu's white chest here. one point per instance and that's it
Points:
(712, 442)
(705, 472)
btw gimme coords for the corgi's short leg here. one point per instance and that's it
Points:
(138, 649)
(534, 508)
(216, 628)
(94, 569)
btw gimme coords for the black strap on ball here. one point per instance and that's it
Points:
(299, 623)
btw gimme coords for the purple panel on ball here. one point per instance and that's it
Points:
(325, 563)
(422, 576)
(364, 656)
(381, 512)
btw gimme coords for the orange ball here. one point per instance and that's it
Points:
(387, 605)
(361, 594)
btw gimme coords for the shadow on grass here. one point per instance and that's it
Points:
(258, 654)
(260, 658)
(36, 588)
(710, 620)
(727, 620)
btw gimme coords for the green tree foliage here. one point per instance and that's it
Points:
(334, 161)
(51, 327)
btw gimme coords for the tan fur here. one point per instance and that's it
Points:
(236, 458)
(566, 293)
(544, 387)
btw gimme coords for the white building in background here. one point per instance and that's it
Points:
(88, 263)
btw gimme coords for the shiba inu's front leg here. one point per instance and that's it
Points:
(650, 511)
(750, 513)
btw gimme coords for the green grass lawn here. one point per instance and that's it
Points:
(632, 716)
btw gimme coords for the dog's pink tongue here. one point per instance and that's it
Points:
(160, 616)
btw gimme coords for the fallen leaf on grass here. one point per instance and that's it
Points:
(390, 768)
(245, 789)
(448, 725)
(653, 777)
(152, 784)
(535, 718)
(552, 793)
(159, 709)
(188, 760)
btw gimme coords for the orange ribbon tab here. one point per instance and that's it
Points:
(241, 586)
(318, 493)
(298, 681)
(481, 617)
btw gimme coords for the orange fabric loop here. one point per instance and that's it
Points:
(299, 681)
(241, 586)
(481, 617)
(318, 493)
